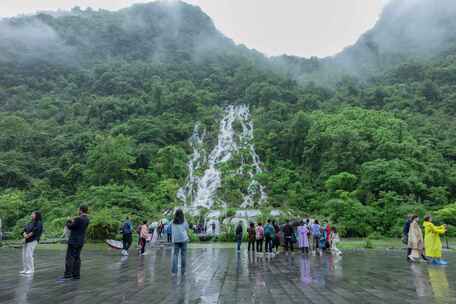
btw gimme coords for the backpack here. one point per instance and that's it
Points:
(268, 231)
(126, 229)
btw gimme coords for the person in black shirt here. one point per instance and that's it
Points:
(405, 233)
(288, 236)
(32, 234)
(239, 232)
(127, 230)
(78, 227)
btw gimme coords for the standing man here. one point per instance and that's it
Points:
(213, 228)
(77, 227)
(288, 236)
(127, 230)
(269, 233)
(239, 231)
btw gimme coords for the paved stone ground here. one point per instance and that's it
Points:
(220, 275)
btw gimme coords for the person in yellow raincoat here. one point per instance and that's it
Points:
(432, 243)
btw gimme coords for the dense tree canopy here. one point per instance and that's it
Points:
(98, 108)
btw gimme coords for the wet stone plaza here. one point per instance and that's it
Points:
(220, 275)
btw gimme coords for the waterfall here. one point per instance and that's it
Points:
(202, 191)
(246, 139)
(187, 192)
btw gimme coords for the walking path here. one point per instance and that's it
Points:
(220, 275)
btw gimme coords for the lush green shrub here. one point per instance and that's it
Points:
(103, 225)
(353, 218)
(447, 215)
(368, 244)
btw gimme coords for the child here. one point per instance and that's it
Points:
(334, 239)
(303, 240)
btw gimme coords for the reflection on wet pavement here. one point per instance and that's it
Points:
(217, 275)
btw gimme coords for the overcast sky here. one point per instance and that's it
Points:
(295, 27)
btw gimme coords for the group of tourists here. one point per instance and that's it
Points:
(314, 237)
(427, 248)
(176, 233)
(310, 237)
(146, 234)
(75, 229)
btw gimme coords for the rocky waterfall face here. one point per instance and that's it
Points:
(200, 190)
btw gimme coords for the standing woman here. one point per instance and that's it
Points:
(303, 241)
(276, 242)
(180, 240)
(259, 238)
(432, 243)
(32, 234)
(334, 236)
(251, 233)
(415, 240)
(143, 236)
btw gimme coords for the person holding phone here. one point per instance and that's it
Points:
(31, 234)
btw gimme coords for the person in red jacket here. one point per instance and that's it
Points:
(328, 236)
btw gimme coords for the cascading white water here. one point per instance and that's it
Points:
(246, 140)
(201, 191)
(198, 157)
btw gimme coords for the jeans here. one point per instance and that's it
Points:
(182, 247)
(268, 244)
(238, 242)
(288, 243)
(251, 244)
(27, 256)
(126, 240)
(143, 245)
(259, 245)
(276, 243)
(316, 242)
(169, 237)
(73, 261)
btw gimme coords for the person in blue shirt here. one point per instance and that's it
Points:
(322, 240)
(269, 234)
(127, 230)
(315, 230)
(180, 239)
(169, 232)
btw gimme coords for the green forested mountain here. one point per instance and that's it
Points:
(98, 107)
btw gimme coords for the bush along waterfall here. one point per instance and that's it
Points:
(232, 163)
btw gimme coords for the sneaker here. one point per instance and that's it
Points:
(22, 272)
(411, 258)
(62, 279)
(29, 272)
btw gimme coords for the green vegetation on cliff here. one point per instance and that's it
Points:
(98, 106)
